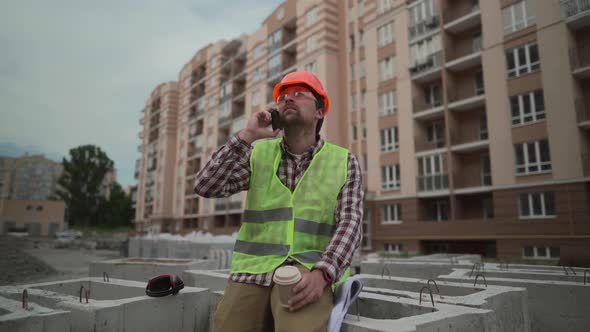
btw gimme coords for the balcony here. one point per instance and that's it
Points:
(424, 110)
(580, 61)
(458, 20)
(466, 100)
(141, 121)
(582, 114)
(427, 69)
(461, 59)
(466, 141)
(472, 181)
(423, 144)
(576, 13)
(430, 183)
(421, 28)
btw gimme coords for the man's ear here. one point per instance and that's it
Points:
(319, 113)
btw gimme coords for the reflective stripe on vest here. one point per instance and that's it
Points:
(314, 228)
(261, 249)
(308, 257)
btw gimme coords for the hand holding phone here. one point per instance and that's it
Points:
(276, 120)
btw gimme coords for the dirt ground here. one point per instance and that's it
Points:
(31, 260)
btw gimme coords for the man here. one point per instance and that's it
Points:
(303, 208)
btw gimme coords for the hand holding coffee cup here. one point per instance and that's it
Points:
(286, 277)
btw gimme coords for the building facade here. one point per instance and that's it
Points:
(470, 119)
(28, 177)
(39, 218)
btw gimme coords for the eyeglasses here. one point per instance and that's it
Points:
(297, 95)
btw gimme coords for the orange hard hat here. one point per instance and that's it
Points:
(303, 77)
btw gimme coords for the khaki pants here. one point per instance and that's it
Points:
(248, 307)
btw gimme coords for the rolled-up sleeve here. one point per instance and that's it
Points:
(227, 172)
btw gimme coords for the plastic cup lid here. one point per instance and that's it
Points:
(287, 275)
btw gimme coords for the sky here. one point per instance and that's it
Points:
(78, 72)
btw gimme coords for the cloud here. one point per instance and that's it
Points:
(77, 72)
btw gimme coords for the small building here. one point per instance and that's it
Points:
(40, 218)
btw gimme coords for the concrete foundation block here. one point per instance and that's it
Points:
(141, 269)
(553, 305)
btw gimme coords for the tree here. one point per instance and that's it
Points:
(118, 210)
(80, 184)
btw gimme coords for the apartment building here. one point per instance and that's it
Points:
(470, 118)
(30, 177)
(156, 168)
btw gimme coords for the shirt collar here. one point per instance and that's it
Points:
(312, 149)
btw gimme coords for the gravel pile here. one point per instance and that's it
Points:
(18, 267)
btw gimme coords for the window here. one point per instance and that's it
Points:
(311, 16)
(541, 252)
(440, 211)
(361, 38)
(212, 62)
(390, 177)
(212, 81)
(391, 214)
(212, 101)
(423, 52)
(257, 51)
(363, 98)
(518, 16)
(366, 240)
(351, 42)
(385, 34)
(311, 43)
(274, 41)
(350, 15)
(536, 205)
(351, 72)
(433, 95)
(389, 140)
(224, 109)
(430, 173)
(187, 83)
(273, 65)
(483, 127)
(257, 74)
(478, 79)
(364, 132)
(527, 108)
(486, 170)
(395, 248)
(436, 134)
(532, 157)
(353, 102)
(387, 69)
(383, 6)
(185, 100)
(312, 67)
(476, 42)
(256, 98)
(522, 60)
(362, 69)
(361, 7)
(354, 133)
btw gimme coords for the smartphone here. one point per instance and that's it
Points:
(276, 120)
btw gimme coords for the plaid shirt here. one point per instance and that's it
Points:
(228, 172)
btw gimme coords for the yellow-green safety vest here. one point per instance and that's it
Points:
(278, 223)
